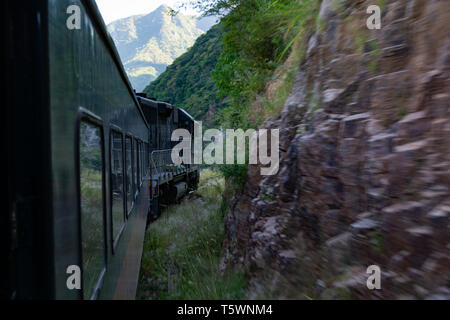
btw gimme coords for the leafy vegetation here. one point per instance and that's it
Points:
(183, 248)
(241, 72)
(259, 36)
(229, 67)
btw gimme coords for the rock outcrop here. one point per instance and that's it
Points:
(365, 164)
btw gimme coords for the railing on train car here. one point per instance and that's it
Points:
(162, 166)
(160, 160)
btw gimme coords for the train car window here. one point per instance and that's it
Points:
(91, 205)
(142, 162)
(153, 137)
(139, 166)
(144, 166)
(147, 158)
(117, 185)
(135, 166)
(129, 174)
(151, 132)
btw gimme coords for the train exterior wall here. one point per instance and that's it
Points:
(59, 78)
(83, 74)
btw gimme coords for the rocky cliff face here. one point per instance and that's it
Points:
(365, 171)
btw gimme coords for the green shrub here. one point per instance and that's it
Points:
(183, 248)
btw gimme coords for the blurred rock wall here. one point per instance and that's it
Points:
(365, 171)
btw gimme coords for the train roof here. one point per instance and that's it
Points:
(100, 26)
(187, 114)
(147, 102)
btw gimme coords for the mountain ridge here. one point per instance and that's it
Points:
(148, 43)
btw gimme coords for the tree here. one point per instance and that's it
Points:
(214, 7)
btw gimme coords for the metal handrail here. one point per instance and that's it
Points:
(159, 159)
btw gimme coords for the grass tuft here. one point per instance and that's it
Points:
(183, 248)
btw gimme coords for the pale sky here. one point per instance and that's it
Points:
(116, 9)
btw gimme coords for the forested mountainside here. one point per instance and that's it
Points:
(147, 44)
(188, 82)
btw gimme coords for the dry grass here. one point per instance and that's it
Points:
(183, 248)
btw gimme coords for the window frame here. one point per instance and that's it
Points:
(138, 173)
(115, 242)
(136, 164)
(86, 116)
(141, 159)
(147, 159)
(128, 212)
(142, 162)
